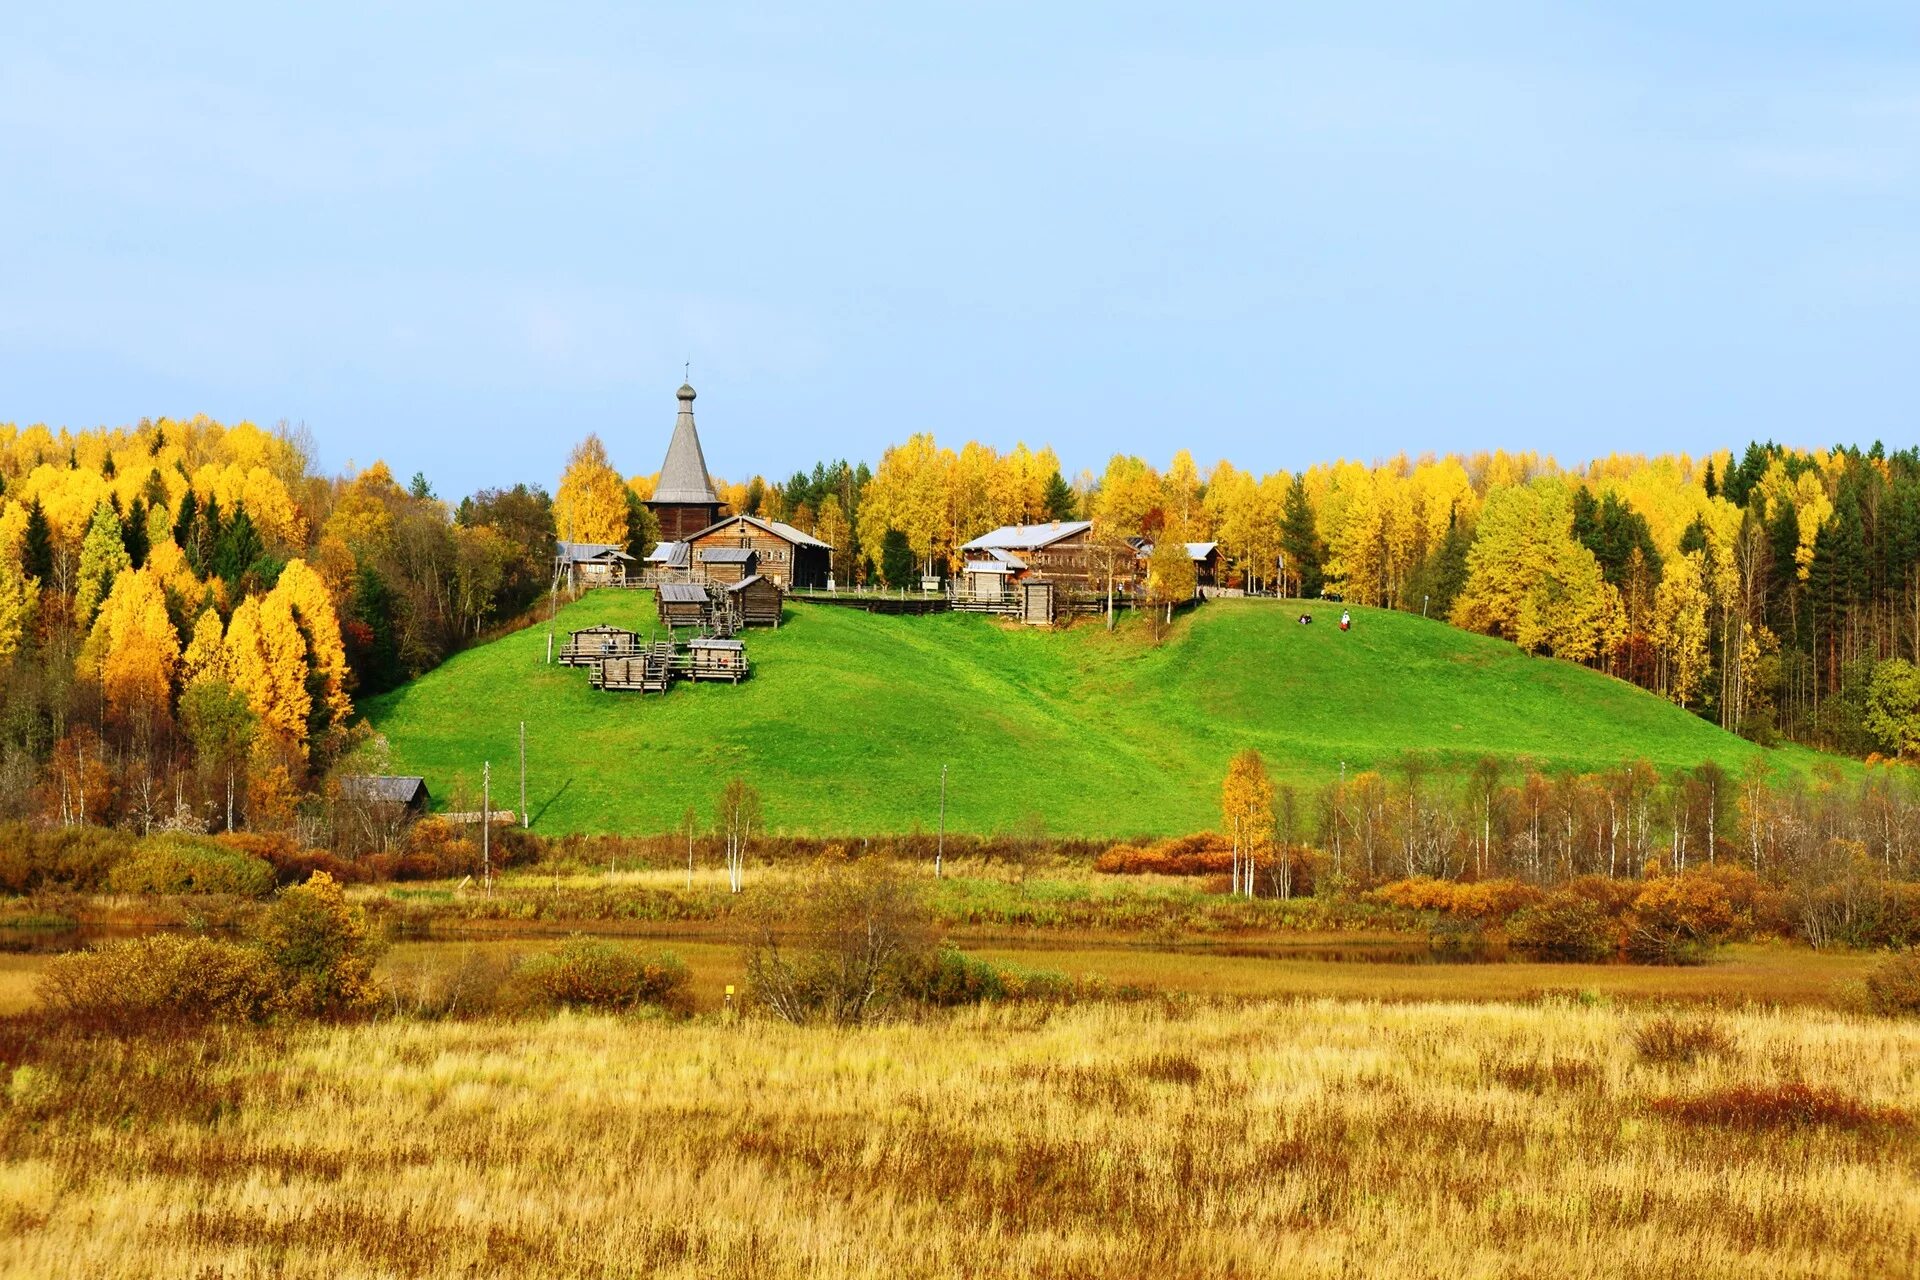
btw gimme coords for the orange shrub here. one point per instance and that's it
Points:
(1476, 900)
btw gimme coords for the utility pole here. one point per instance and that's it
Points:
(486, 824)
(940, 849)
(524, 821)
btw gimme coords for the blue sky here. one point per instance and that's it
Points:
(460, 237)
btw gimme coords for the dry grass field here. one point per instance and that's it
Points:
(1310, 1138)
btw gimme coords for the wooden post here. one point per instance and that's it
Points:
(525, 821)
(486, 823)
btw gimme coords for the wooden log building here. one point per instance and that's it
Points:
(684, 500)
(781, 552)
(756, 601)
(591, 645)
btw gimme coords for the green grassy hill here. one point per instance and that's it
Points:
(848, 718)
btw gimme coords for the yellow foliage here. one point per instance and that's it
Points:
(133, 646)
(592, 503)
(206, 656)
(266, 658)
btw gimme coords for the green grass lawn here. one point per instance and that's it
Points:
(848, 718)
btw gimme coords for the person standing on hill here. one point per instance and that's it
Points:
(1346, 620)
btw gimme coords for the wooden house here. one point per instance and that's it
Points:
(407, 795)
(1061, 551)
(683, 604)
(1205, 557)
(667, 562)
(591, 564)
(783, 553)
(684, 500)
(986, 584)
(715, 659)
(590, 645)
(756, 601)
(728, 564)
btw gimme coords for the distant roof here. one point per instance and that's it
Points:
(1007, 558)
(1027, 537)
(384, 787)
(707, 642)
(728, 555)
(601, 629)
(744, 583)
(671, 554)
(777, 528)
(683, 592)
(683, 476)
(986, 566)
(574, 552)
(1195, 550)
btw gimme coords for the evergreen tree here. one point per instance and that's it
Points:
(184, 520)
(418, 488)
(1695, 538)
(133, 532)
(643, 527)
(237, 547)
(1711, 485)
(898, 565)
(1300, 542)
(37, 552)
(373, 650)
(1058, 499)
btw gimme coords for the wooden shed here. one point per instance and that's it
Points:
(717, 659)
(756, 601)
(683, 604)
(1037, 602)
(591, 645)
(729, 564)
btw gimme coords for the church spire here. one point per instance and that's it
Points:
(683, 476)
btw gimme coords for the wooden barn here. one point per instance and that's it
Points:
(783, 553)
(728, 564)
(715, 659)
(590, 645)
(756, 601)
(591, 564)
(683, 604)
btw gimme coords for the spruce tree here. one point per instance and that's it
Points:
(1059, 498)
(898, 565)
(1300, 541)
(133, 533)
(37, 552)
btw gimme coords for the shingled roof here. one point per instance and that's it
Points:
(683, 476)
(1027, 537)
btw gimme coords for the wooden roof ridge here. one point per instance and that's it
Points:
(684, 476)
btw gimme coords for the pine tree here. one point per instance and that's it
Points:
(236, 549)
(133, 532)
(1058, 502)
(898, 567)
(1300, 542)
(36, 552)
(184, 521)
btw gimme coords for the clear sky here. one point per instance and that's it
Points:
(461, 236)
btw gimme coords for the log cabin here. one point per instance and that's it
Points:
(728, 564)
(683, 604)
(783, 553)
(591, 564)
(1061, 551)
(756, 601)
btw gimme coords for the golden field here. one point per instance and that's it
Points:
(1162, 1137)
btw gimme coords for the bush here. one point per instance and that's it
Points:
(1675, 919)
(73, 858)
(1480, 900)
(947, 978)
(1563, 924)
(160, 979)
(323, 948)
(1893, 985)
(182, 864)
(591, 973)
(1669, 1041)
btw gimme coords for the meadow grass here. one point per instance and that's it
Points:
(1305, 1138)
(848, 718)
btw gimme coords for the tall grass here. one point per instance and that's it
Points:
(1311, 1138)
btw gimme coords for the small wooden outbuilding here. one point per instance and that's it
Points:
(1037, 602)
(717, 659)
(590, 645)
(756, 601)
(729, 564)
(683, 604)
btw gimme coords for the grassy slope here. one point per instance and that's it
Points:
(848, 718)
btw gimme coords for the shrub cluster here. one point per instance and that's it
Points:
(1778, 1106)
(177, 864)
(1669, 1041)
(1893, 985)
(311, 954)
(592, 973)
(1484, 900)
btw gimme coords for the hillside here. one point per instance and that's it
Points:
(848, 718)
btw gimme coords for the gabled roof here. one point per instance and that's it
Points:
(1027, 537)
(1196, 551)
(384, 787)
(683, 476)
(785, 532)
(575, 552)
(671, 554)
(744, 583)
(683, 593)
(1007, 558)
(729, 555)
